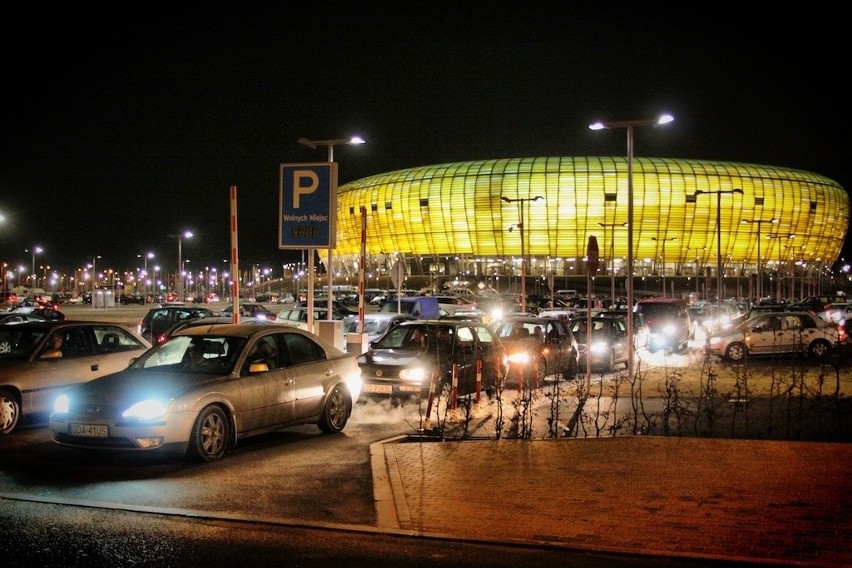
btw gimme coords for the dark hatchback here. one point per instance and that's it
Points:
(407, 359)
(537, 347)
(609, 341)
(159, 320)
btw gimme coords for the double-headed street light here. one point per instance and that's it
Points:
(36, 250)
(612, 257)
(759, 222)
(655, 239)
(521, 201)
(630, 125)
(330, 144)
(719, 280)
(180, 237)
(145, 256)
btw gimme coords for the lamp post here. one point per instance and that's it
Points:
(655, 239)
(718, 194)
(759, 223)
(36, 250)
(179, 283)
(521, 201)
(612, 226)
(630, 125)
(145, 257)
(330, 144)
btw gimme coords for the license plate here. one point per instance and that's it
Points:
(88, 430)
(379, 389)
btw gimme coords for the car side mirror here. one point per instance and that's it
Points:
(51, 354)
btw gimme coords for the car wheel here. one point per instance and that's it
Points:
(736, 351)
(610, 363)
(571, 371)
(336, 411)
(209, 434)
(819, 348)
(10, 412)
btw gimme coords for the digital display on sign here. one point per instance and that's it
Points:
(308, 206)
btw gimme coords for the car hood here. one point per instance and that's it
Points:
(521, 344)
(393, 358)
(131, 384)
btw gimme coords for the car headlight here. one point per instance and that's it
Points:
(669, 329)
(715, 341)
(146, 410)
(519, 358)
(62, 404)
(600, 347)
(414, 375)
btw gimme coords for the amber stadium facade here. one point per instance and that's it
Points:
(476, 221)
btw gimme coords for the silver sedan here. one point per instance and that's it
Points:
(208, 387)
(39, 360)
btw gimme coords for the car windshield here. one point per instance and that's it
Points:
(417, 337)
(371, 326)
(207, 354)
(19, 343)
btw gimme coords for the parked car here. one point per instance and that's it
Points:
(640, 327)
(44, 312)
(775, 333)
(405, 361)
(298, 317)
(322, 302)
(609, 342)
(375, 324)
(713, 317)
(537, 348)
(131, 299)
(159, 320)
(670, 326)
(453, 304)
(420, 307)
(39, 360)
(837, 312)
(12, 317)
(249, 309)
(206, 389)
(206, 321)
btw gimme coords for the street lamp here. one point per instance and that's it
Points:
(630, 125)
(718, 195)
(330, 143)
(521, 201)
(145, 256)
(759, 223)
(179, 286)
(612, 226)
(655, 239)
(36, 250)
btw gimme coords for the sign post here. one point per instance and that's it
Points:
(592, 258)
(307, 214)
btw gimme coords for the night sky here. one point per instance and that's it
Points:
(120, 129)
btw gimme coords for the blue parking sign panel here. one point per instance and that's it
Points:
(307, 215)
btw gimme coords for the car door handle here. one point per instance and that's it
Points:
(95, 367)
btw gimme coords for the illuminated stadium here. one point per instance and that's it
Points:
(464, 220)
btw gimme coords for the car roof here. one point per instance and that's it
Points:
(440, 322)
(246, 330)
(662, 300)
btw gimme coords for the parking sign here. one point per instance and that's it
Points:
(307, 215)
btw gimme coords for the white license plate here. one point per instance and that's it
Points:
(379, 389)
(88, 430)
